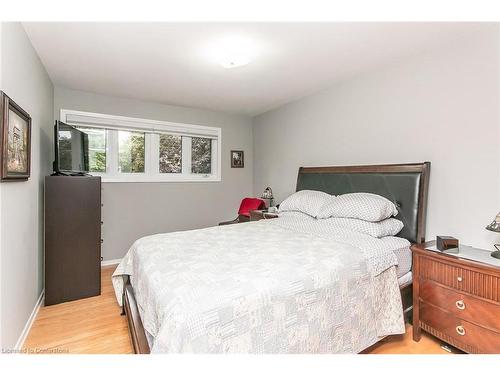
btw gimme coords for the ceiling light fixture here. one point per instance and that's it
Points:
(234, 61)
(231, 52)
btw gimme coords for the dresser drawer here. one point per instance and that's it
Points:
(461, 305)
(464, 279)
(460, 333)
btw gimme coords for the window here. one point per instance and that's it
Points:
(170, 153)
(201, 155)
(123, 149)
(131, 148)
(97, 149)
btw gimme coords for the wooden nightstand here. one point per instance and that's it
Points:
(257, 215)
(456, 297)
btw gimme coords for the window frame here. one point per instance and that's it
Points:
(151, 128)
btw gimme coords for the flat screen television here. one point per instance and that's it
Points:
(71, 150)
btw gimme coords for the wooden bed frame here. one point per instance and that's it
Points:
(135, 327)
(130, 309)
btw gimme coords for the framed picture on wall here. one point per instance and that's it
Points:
(237, 159)
(15, 146)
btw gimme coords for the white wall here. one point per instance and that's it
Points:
(133, 210)
(442, 106)
(25, 80)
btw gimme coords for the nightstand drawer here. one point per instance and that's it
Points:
(458, 332)
(464, 279)
(461, 305)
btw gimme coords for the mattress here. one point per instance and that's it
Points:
(403, 255)
(405, 280)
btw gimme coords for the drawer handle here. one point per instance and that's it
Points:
(460, 305)
(459, 278)
(461, 330)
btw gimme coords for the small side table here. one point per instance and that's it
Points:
(257, 215)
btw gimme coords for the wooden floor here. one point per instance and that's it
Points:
(90, 325)
(94, 325)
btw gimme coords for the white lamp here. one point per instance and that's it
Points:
(268, 194)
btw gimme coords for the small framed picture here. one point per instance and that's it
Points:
(15, 145)
(237, 159)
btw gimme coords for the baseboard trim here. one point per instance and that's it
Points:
(110, 262)
(29, 323)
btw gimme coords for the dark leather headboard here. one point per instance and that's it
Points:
(404, 184)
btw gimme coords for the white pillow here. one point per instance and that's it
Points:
(306, 201)
(384, 228)
(364, 206)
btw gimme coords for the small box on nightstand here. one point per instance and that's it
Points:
(445, 243)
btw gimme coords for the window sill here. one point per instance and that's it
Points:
(153, 180)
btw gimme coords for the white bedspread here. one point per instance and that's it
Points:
(272, 286)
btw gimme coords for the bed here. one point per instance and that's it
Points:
(278, 286)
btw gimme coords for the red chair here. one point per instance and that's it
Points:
(247, 205)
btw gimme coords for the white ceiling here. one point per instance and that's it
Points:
(167, 63)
